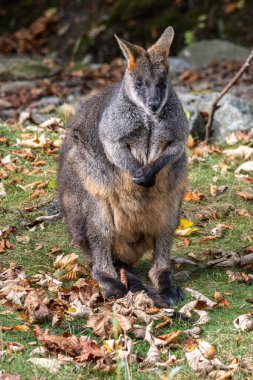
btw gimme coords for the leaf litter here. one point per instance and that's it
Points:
(44, 298)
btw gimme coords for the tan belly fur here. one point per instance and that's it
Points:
(138, 215)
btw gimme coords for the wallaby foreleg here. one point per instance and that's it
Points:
(145, 176)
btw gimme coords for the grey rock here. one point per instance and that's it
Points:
(202, 53)
(178, 64)
(46, 101)
(11, 87)
(15, 67)
(232, 115)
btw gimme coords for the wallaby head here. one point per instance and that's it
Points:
(147, 74)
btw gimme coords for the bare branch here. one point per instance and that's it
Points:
(223, 92)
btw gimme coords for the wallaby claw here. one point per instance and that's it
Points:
(144, 177)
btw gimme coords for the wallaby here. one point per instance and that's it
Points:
(123, 171)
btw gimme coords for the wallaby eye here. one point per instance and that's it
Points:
(138, 83)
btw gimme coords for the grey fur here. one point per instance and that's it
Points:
(124, 163)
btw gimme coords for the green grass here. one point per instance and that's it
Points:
(33, 257)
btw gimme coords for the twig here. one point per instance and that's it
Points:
(223, 92)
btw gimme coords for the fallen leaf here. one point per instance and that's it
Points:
(37, 310)
(194, 197)
(89, 350)
(66, 262)
(78, 310)
(203, 317)
(123, 277)
(51, 365)
(69, 345)
(243, 212)
(107, 323)
(246, 167)
(244, 195)
(244, 322)
(22, 328)
(201, 358)
(170, 337)
(200, 297)
(153, 354)
(185, 229)
(242, 151)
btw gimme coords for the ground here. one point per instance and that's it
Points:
(34, 250)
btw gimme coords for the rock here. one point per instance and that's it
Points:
(178, 65)
(202, 53)
(11, 87)
(14, 67)
(233, 114)
(47, 100)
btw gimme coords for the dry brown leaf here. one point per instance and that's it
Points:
(223, 302)
(213, 190)
(242, 151)
(217, 295)
(69, 344)
(66, 262)
(244, 195)
(154, 354)
(37, 310)
(244, 322)
(194, 332)
(201, 359)
(203, 317)
(123, 277)
(167, 322)
(246, 167)
(7, 376)
(194, 197)
(200, 297)
(206, 239)
(21, 328)
(170, 337)
(107, 323)
(89, 350)
(35, 142)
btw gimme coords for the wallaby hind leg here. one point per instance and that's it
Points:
(103, 270)
(135, 284)
(160, 272)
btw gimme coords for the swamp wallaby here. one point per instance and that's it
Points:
(123, 171)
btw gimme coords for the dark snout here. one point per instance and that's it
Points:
(153, 105)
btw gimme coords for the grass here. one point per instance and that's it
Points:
(33, 257)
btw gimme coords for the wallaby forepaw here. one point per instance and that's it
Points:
(172, 295)
(144, 177)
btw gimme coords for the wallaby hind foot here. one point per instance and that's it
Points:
(135, 284)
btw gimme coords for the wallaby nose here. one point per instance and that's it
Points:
(153, 105)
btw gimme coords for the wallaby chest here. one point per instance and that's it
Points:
(151, 139)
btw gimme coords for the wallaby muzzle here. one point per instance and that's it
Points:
(153, 105)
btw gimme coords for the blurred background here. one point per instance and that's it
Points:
(61, 52)
(84, 29)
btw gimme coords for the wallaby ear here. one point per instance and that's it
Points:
(162, 46)
(131, 52)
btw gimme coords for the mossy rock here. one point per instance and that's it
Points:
(12, 68)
